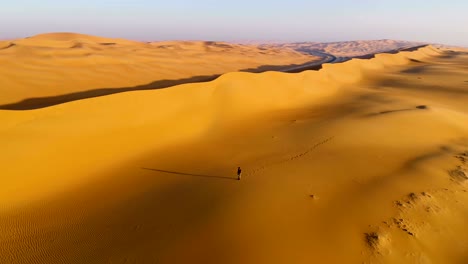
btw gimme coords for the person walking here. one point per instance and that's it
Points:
(239, 172)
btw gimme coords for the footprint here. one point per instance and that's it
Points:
(372, 240)
(285, 159)
(458, 175)
(463, 157)
(400, 224)
(413, 202)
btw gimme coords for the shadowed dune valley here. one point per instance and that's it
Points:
(119, 151)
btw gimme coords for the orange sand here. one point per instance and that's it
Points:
(63, 63)
(363, 161)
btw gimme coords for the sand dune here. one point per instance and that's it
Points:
(62, 63)
(363, 161)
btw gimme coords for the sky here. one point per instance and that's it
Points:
(434, 21)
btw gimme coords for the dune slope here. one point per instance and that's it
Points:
(363, 161)
(62, 63)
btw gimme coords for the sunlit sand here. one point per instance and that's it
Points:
(363, 161)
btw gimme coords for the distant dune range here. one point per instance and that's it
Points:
(64, 63)
(362, 161)
(56, 68)
(349, 48)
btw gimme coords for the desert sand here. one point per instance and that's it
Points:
(360, 162)
(81, 66)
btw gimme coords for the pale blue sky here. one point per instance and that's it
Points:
(293, 20)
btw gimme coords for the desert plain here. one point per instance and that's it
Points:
(363, 161)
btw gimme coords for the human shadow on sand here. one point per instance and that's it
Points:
(193, 175)
(419, 107)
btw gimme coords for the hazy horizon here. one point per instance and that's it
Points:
(263, 21)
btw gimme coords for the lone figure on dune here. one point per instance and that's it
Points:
(239, 172)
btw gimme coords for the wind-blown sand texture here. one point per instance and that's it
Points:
(56, 64)
(364, 161)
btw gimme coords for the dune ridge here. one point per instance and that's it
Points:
(63, 63)
(357, 162)
(225, 100)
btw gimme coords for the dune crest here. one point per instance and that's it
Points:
(227, 99)
(58, 64)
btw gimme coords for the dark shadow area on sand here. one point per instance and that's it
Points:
(428, 88)
(395, 51)
(419, 107)
(190, 174)
(41, 102)
(417, 70)
(9, 46)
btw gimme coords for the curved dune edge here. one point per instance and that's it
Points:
(360, 163)
(172, 115)
(61, 64)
